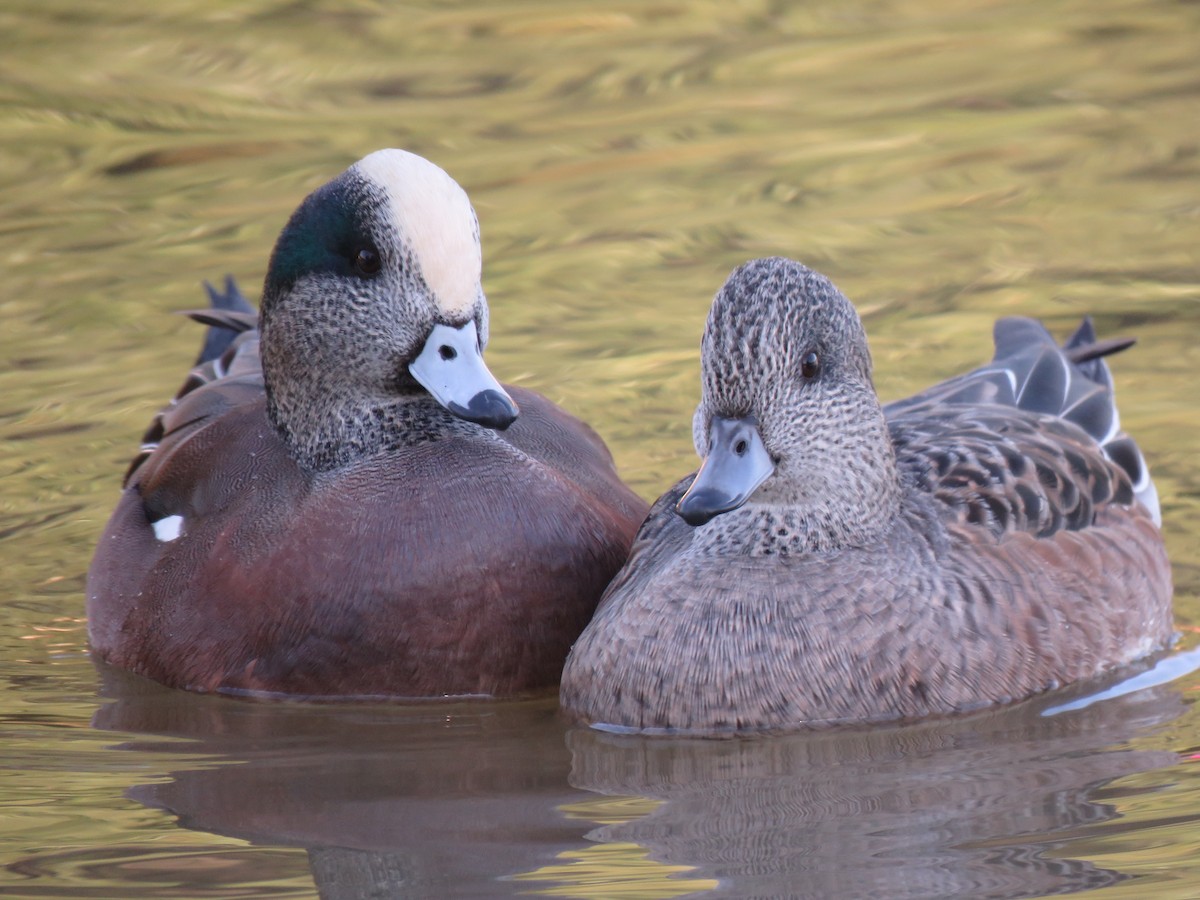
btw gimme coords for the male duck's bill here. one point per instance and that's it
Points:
(736, 464)
(450, 366)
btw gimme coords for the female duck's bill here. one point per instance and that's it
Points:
(837, 561)
(736, 464)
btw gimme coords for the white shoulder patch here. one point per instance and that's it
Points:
(168, 529)
(434, 217)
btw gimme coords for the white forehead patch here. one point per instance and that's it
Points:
(434, 217)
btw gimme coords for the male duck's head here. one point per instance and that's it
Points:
(788, 413)
(373, 295)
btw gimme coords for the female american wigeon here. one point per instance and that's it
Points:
(344, 502)
(834, 561)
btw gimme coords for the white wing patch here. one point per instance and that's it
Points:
(168, 529)
(434, 218)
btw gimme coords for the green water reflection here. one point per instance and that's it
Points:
(946, 164)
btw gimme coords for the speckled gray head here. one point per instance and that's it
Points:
(788, 414)
(372, 298)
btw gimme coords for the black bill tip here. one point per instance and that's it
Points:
(489, 408)
(698, 507)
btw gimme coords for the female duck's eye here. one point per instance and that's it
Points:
(810, 365)
(367, 262)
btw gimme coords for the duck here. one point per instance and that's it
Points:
(835, 561)
(342, 501)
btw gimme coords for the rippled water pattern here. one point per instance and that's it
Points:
(945, 163)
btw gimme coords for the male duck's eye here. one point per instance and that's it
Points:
(810, 365)
(367, 262)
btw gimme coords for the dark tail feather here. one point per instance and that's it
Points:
(1087, 353)
(1097, 349)
(230, 314)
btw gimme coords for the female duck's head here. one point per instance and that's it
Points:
(788, 415)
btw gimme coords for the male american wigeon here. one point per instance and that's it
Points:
(837, 561)
(344, 502)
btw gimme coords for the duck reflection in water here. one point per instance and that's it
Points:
(469, 799)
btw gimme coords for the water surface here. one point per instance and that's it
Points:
(943, 165)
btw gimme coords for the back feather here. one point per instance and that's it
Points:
(230, 350)
(1031, 372)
